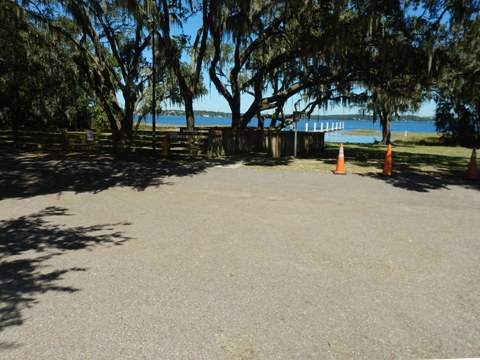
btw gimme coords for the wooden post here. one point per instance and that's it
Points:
(295, 141)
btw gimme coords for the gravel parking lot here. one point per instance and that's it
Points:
(128, 260)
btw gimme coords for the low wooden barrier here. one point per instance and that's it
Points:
(203, 141)
(228, 141)
(176, 143)
(225, 141)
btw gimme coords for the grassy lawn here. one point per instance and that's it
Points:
(407, 157)
(369, 158)
(416, 153)
(410, 137)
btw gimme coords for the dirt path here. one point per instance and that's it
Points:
(229, 262)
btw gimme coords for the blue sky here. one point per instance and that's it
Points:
(213, 101)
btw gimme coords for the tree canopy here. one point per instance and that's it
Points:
(458, 86)
(384, 56)
(40, 85)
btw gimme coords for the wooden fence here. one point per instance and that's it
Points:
(177, 143)
(225, 141)
(203, 141)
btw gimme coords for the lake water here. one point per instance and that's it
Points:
(336, 136)
(425, 127)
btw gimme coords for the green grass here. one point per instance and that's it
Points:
(369, 158)
(419, 153)
(407, 157)
(412, 137)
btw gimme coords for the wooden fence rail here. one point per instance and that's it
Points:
(203, 141)
(225, 141)
(180, 143)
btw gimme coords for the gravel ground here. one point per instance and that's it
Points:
(235, 262)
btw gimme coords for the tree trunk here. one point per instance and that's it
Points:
(248, 116)
(16, 139)
(236, 115)
(127, 130)
(116, 135)
(189, 115)
(385, 121)
(273, 122)
(127, 121)
(261, 121)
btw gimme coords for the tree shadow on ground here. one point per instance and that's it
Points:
(261, 159)
(27, 244)
(29, 174)
(424, 182)
(412, 171)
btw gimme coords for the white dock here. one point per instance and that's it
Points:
(326, 126)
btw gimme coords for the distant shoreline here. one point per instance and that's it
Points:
(342, 117)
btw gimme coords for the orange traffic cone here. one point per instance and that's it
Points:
(472, 172)
(387, 167)
(340, 170)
